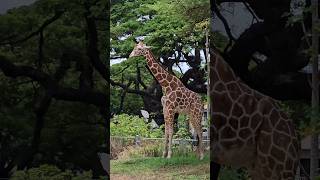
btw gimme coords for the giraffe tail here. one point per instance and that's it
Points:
(198, 141)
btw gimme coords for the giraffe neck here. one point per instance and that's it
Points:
(222, 72)
(167, 81)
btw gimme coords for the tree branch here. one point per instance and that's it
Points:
(122, 97)
(41, 107)
(139, 77)
(41, 28)
(85, 81)
(250, 10)
(134, 91)
(92, 49)
(122, 70)
(40, 50)
(64, 65)
(214, 8)
(57, 92)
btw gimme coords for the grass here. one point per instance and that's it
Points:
(183, 167)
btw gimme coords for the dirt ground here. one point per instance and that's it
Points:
(198, 172)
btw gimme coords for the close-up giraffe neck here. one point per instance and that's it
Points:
(221, 70)
(248, 127)
(167, 81)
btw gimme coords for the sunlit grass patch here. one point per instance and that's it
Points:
(178, 167)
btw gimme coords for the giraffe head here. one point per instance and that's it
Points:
(140, 49)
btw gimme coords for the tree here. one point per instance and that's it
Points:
(314, 160)
(270, 53)
(174, 29)
(136, 76)
(54, 71)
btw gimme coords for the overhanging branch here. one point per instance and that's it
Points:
(214, 8)
(55, 90)
(41, 28)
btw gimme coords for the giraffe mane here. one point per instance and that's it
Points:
(160, 63)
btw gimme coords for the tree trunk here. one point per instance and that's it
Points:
(208, 81)
(315, 92)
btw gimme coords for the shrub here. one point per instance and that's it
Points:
(128, 126)
(228, 173)
(182, 133)
(50, 172)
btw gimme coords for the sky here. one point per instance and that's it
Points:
(239, 20)
(183, 65)
(8, 4)
(237, 16)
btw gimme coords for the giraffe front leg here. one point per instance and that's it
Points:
(170, 134)
(165, 151)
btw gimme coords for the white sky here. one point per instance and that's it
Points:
(233, 13)
(238, 17)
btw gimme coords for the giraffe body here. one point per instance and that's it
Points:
(249, 129)
(176, 99)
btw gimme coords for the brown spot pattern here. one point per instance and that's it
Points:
(246, 114)
(264, 143)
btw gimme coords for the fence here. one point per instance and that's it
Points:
(138, 140)
(119, 143)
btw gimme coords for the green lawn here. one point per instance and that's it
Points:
(187, 167)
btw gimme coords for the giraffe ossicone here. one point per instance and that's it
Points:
(249, 129)
(176, 99)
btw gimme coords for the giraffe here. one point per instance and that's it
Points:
(176, 99)
(249, 129)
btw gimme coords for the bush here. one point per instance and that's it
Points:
(128, 126)
(50, 172)
(182, 133)
(228, 173)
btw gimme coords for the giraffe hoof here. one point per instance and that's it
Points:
(164, 155)
(201, 157)
(169, 155)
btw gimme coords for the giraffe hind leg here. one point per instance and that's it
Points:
(168, 117)
(196, 123)
(165, 151)
(199, 146)
(170, 134)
